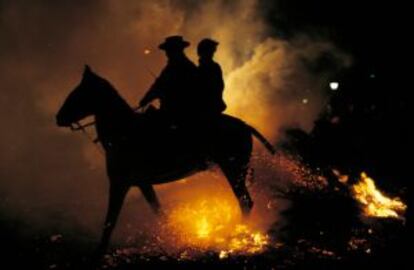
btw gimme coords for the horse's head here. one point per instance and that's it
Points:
(81, 102)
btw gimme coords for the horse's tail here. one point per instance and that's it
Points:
(262, 139)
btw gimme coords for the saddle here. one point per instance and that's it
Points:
(162, 137)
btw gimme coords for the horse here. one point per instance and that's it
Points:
(136, 157)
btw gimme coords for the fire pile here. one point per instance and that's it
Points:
(209, 227)
(197, 231)
(374, 202)
(215, 225)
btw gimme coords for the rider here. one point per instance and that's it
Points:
(210, 79)
(176, 84)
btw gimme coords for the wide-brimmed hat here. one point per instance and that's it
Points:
(174, 42)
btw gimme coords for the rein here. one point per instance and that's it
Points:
(76, 126)
(79, 127)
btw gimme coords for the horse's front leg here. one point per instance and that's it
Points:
(151, 197)
(117, 192)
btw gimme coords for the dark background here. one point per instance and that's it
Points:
(376, 86)
(373, 102)
(374, 133)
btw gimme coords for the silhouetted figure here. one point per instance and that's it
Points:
(211, 82)
(176, 84)
(136, 158)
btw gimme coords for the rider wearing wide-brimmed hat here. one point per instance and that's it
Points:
(174, 42)
(175, 86)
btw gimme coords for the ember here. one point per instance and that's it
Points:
(215, 225)
(376, 204)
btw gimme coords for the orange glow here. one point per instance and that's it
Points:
(215, 224)
(342, 178)
(374, 202)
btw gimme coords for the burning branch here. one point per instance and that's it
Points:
(374, 202)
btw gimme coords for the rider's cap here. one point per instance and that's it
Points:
(174, 42)
(207, 44)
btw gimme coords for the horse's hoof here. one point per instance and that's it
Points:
(161, 214)
(97, 258)
(95, 262)
(247, 209)
(246, 214)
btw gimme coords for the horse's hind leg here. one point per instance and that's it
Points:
(236, 173)
(151, 197)
(117, 194)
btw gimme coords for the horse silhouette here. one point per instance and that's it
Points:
(140, 153)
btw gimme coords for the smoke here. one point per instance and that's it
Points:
(56, 179)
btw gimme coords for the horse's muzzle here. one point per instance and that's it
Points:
(61, 122)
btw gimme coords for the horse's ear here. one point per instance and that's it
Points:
(87, 72)
(87, 69)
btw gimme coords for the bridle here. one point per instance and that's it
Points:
(76, 126)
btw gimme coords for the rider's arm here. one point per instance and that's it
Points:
(154, 92)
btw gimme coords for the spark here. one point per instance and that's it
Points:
(215, 225)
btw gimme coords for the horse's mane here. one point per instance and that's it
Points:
(110, 92)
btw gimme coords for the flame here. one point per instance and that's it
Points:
(374, 202)
(215, 224)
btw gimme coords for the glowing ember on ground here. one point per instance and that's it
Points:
(376, 204)
(342, 178)
(215, 225)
